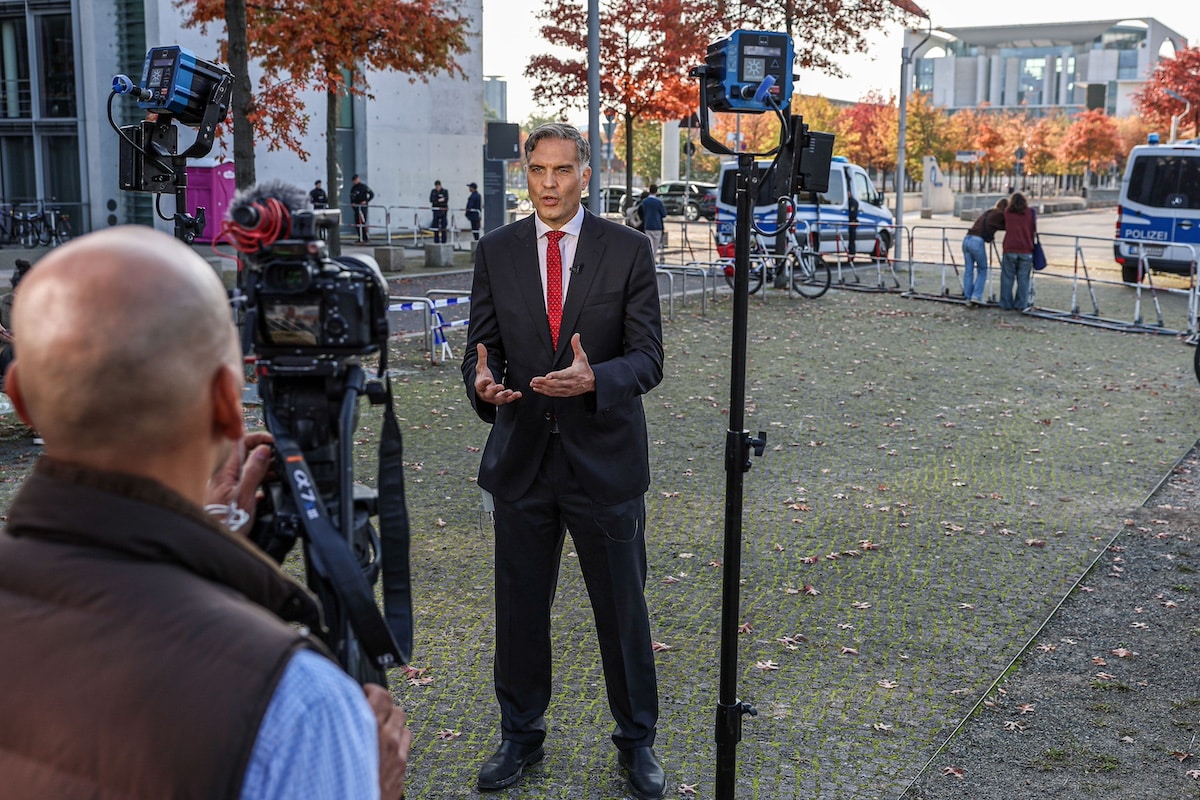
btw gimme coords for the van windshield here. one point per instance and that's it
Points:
(1165, 181)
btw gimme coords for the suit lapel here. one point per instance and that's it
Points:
(588, 255)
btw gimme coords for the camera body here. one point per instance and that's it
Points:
(308, 304)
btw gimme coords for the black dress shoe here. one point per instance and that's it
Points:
(644, 773)
(504, 768)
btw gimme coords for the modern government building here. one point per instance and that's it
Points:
(1068, 66)
(58, 59)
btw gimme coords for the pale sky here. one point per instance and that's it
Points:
(510, 38)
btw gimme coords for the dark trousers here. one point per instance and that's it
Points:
(475, 224)
(360, 222)
(611, 546)
(439, 225)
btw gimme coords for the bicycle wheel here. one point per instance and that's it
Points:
(27, 234)
(810, 275)
(62, 229)
(45, 233)
(756, 274)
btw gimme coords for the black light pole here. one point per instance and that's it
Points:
(730, 709)
(738, 444)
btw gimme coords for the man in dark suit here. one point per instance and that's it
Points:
(561, 383)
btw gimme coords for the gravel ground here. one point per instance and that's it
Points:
(938, 483)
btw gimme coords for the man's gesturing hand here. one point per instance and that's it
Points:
(575, 380)
(486, 387)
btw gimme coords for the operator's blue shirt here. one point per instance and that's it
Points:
(318, 739)
(653, 212)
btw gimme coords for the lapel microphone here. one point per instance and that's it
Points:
(576, 269)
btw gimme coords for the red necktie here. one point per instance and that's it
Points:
(554, 284)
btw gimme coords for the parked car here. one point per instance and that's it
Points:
(510, 201)
(611, 199)
(693, 200)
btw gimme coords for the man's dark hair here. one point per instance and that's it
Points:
(557, 130)
(654, 188)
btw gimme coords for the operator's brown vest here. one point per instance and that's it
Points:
(141, 643)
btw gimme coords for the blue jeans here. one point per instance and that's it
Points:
(1018, 268)
(975, 267)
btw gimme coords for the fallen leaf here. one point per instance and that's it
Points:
(1025, 708)
(746, 627)
(670, 579)
(849, 651)
(809, 589)
(1013, 725)
(882, 726)
(955, 771)
(1181, 755)
(659, 647)
(1122, 652)
(448, 734)
(688, 789)
(886, 684)
(766, 666)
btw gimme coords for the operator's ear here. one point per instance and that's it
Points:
(226, 389)
(12, 388)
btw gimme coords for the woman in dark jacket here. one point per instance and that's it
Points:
(1020, 230)
(975, 255)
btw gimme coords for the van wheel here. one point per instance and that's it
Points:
(1196, 362)
(691, 212)
(1129, 272)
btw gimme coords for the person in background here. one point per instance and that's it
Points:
(360, 197)
(568, 448)
(439, 198)
(654, 213)
(318, 197)
(158, 655)
(975, 251)
(1016, 268)
(474, 209)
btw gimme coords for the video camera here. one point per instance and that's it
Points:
(309, 319)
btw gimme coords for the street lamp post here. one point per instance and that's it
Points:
(906, 59)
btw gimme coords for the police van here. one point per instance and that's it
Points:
(824, 215)
(1159, 211)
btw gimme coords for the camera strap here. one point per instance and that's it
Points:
(394, 531)
(334, 560)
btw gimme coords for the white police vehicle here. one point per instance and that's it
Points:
(1159, 211)
(825, 215)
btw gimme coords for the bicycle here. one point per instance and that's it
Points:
(811, 276)
(22, 227)
(54, 227)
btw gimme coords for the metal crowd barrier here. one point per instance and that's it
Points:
(433, 323)
(946, 284)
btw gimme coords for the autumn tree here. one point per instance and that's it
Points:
(925, 137)
(647, 48)
(823, 31)
(819, 113)
(1091, 140)
(868, 129)
(1180, 75)
(329, 45)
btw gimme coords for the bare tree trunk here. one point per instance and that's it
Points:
(243, 100)
(629, 198)
(332, 98)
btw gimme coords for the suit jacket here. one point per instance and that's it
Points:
(613, 303)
